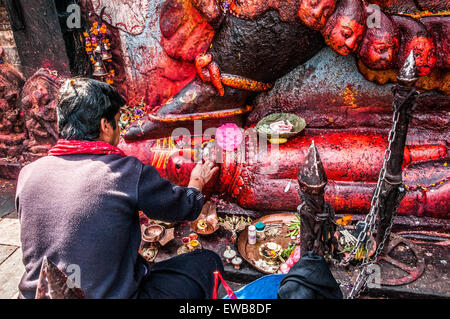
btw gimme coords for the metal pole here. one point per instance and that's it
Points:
(392, 188)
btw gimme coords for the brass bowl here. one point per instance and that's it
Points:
(207, 222)
(152, 233)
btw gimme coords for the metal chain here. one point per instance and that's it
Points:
(370, 220)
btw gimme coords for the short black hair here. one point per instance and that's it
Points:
(82, 103)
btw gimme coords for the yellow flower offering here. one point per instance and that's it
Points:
(194, 243)
(201, 224)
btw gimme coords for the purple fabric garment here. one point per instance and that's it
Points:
(82, 210)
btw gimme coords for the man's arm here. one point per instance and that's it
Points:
(159, 199)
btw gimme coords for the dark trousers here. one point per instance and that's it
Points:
(186, 276)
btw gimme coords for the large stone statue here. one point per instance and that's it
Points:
(241, 47)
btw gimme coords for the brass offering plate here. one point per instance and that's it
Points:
(251, 253)
(208, 221)
(207, 228)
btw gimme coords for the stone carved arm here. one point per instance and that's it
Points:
(188, 27)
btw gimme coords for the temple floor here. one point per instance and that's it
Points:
(11, 266)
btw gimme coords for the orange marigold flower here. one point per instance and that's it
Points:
(344, 220)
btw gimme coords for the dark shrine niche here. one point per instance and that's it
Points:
(38, 35)
(73, 37)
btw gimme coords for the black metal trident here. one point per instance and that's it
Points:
(392, 189)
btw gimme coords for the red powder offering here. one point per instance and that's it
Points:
(193, 236)
(185, 240)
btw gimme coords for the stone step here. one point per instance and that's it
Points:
(11, 271)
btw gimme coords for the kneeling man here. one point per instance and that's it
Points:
(79, 206)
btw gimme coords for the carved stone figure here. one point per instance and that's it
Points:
(344, 29)
(12, 131)
(38, 102)
(380, 45)
(315, 13)
(414, 36)
(11, 81)
(439, 29)
(241, 47)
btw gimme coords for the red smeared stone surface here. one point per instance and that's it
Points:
(9, 170)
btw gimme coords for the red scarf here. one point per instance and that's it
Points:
(66, 147)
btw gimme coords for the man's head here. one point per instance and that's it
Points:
(344, 29)
(89, 110)
(315, 13)
(379, 48)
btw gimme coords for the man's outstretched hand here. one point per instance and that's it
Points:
(201, 174)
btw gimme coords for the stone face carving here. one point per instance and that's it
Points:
(380, 45)
(344, 29)
(439, 29)
(414, 36)
(315, 13)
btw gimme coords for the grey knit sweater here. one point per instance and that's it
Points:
(82, 210)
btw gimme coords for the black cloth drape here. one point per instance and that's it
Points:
(309, 278)
(186, 276)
